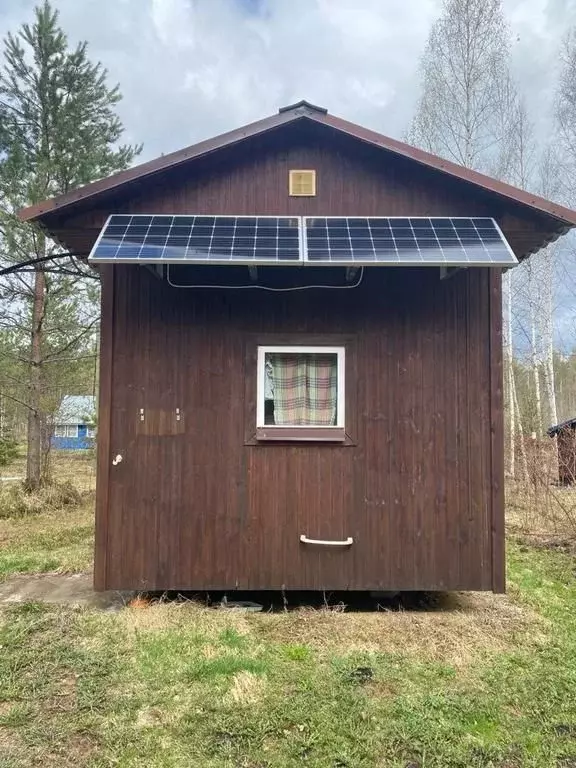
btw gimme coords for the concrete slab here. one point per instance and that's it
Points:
(73, 589)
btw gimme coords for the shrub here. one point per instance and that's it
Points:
(15, 501)
(8, 450)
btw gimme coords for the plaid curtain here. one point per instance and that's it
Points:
(304, 389)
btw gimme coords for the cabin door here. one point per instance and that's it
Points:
(146, 500)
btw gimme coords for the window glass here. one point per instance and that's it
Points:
(59, 430)
(300, 388)
(71, 430)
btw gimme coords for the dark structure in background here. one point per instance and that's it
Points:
(396, 472)
(565, 433)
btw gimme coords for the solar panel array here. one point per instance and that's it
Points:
(394, 241)
(295, 240)
(216, 239)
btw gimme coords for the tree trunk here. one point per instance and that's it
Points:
(536, 376)
(523, 455)
(548, 344)
(36, 417)
(535, 308)
(508, 365)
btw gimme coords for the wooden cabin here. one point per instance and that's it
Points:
(74, 425)
(301, 360)
(565, 434)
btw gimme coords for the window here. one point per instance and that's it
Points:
(300, 393)
(90, 432)
(66, 430)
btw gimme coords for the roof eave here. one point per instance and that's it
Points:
(565, 217)
(158, 165)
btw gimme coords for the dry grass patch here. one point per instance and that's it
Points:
(163, 615)
(77, 467)
(247, 688)
(455, 632)
(541, 510)
(16, 502)
(469, 624)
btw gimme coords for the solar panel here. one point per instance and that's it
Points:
(325, 240)
(213, 239)
(406, 242)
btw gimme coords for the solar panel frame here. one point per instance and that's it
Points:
(149, 247)
(411, 244)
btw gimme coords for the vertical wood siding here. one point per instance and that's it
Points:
(194, 506)
(419, 486)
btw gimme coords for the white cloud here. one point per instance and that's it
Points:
(190, 69)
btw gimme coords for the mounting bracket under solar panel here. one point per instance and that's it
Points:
(447, 272)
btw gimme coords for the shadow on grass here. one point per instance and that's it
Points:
(272, 601)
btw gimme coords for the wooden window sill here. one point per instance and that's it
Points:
(314, 434)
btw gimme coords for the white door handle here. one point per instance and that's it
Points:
(116, 460)
(346, 543)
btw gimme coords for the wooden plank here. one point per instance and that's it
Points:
(497, 434)
(104, 426)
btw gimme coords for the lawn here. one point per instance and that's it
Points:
(468, 680)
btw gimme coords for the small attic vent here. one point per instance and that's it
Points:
(302, 183)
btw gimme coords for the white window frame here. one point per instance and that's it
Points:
(66, 431)
(276, 429)
(90, 431)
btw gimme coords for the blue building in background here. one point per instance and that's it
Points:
(74, 423)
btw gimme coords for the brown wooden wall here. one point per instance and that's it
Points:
(566, 456)
(252, 178)
(192, 506)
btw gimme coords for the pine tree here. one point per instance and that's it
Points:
(58, 130)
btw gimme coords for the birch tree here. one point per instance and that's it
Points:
(464, 81)
(566, 116)
(58, 130)
(470, 112)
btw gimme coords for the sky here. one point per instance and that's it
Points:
(190, 69)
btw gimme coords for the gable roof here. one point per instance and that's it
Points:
(560, 218)
(76, 409)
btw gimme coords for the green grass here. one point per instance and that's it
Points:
(491, 684)
(477, 681)
(60, 538)
(57, 540)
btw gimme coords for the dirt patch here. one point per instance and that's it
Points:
(61, 589)
(64, 698)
